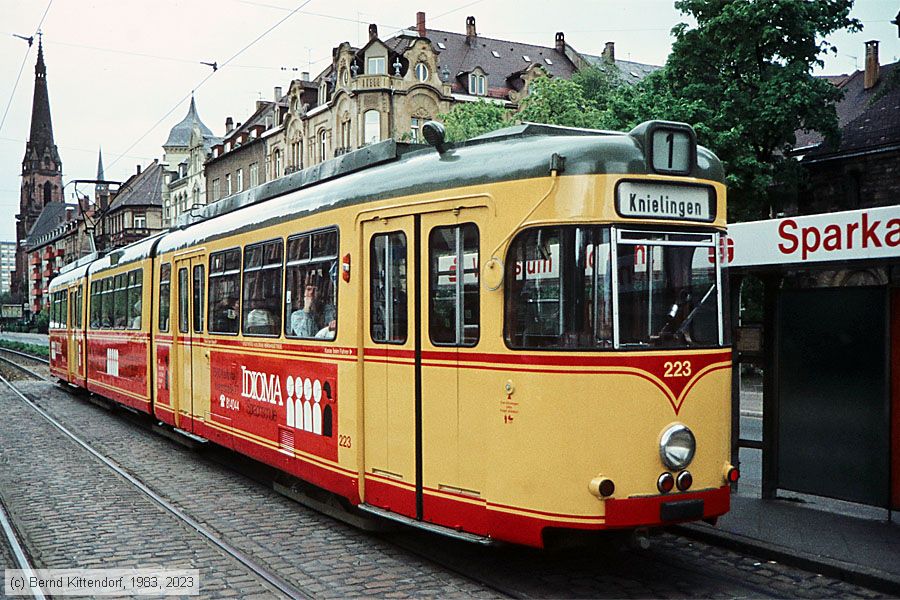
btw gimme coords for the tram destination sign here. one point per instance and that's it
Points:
(679, 202)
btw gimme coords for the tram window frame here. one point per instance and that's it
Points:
(107, 317)
(165, 296)
(312, 256)
(253, 296)
(79, 305)
(466, 296)
(224, 269)
(63, 313)
(580, 318)
(386, 276)
(135, 289)
(95, 314)
(198, 287)
(183, 300)
(120, 301)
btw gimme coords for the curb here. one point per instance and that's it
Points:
(876, 579)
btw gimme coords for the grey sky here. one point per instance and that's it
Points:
(115, 68)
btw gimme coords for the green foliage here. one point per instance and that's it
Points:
(34, 349)
(41, 322)
(742, 77)
(558, 102)
(600, 85)
(469, 119)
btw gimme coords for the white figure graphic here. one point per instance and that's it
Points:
(317, 408)
(298, 414)
(307, 407)
(290, 401)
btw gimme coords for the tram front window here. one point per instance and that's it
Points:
(668, 295)
(559, 290)
(556, 298)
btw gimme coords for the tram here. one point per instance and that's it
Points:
(522, 334)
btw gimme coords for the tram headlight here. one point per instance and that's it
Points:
(677, 446)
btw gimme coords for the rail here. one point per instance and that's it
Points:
(272, 579)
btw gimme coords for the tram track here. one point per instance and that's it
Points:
(19, 556)
(274, 580)
(521, 572)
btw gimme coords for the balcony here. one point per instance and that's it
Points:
(48, 272)
(34, 259)
(370, 82)
(35, 274)
(48, 253)
(131, 234)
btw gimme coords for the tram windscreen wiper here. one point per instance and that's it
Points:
(687, 320)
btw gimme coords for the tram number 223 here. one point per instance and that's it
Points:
(678, 368)
(345, 441)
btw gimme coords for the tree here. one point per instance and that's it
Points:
(469, 119)
(558, 101)
(600, 84)
(743, 78)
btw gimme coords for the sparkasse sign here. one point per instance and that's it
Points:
(851, 235)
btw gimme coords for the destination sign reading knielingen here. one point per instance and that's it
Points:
(664, 201)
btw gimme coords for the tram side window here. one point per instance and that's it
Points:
(62, 317)
(453, 309)
(262, 288)
(558, 289)
(165, 297)
(106, 302)
(79, 305)
(183, 300)
(310, 297)
(135, 287)
(224, 291)
(199, 282)
(120, 300)
(388, 308)
(95, 305)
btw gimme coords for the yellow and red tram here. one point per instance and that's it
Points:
(522, 333)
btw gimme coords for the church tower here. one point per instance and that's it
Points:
(41, 168)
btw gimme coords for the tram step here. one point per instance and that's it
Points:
(439, 529)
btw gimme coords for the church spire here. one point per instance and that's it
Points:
(100, 176)
(41, 139)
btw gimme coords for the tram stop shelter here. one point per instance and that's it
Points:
(829, 346)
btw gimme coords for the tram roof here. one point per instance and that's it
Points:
(519, 152)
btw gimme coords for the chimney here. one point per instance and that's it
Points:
(470, 31)
(238, 126)
(560, 42)
(277, 93)
(609, 52)
(373, 31)
(872, 66)
(304, 76)
(229, 124)
(139, 169)
(420, 23)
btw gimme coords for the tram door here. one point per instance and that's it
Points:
(391, 472)
(188, 353)
(419, 314)
(452, 420)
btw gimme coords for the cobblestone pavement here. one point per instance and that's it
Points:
(331, 559)
(71, 511)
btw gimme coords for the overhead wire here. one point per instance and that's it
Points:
(22, 66)
(205, 79)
